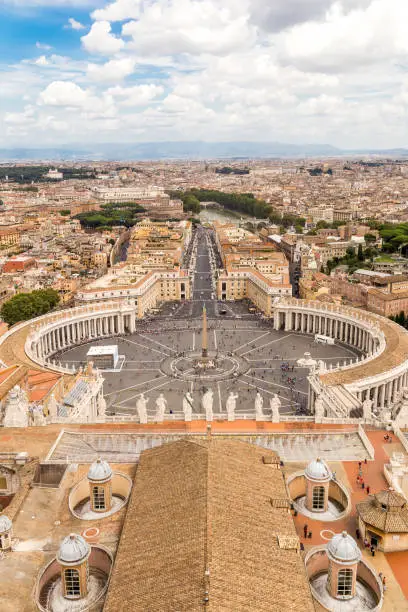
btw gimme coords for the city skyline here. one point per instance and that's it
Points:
(87, 71)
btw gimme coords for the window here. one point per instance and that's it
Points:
(72, 584)
(3, 483)
(318, 498)
(99, 498)
(345, 583)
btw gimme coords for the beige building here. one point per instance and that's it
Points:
(9, 237)
(253, 269)
(383, 520)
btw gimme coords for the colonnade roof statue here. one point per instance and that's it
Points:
(5, 523)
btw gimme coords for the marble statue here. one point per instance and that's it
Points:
(367, 406)
(258, 406)
(319, 408)
(321, 366)
(38, 416)
(231, 405)
(207, 403)
(161, 405)
(141, 407)
(188, 402)
(89, 370)
(52, 407)
(16, 410)
(275, 405)
(101, 404)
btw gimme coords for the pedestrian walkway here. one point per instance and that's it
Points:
(392, 565)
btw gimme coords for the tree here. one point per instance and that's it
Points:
(370, 238)
(65, 212)
(360, 254)
(322, 224)
(191, 203)
(350, 252)
(24, 306)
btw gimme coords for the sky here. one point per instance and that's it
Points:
(294, 71)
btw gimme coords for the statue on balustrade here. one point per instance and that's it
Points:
(16, 413)
(161, 405)
(188, 403)
(207, 403)
(319, 407)
(275, 404)
(231, 405)
(141, 407)
(101, 405)
(258, 406)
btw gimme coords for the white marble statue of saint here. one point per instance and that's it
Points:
(101, 404)
(207, 404)
(258, 406)
(321, 366)
(161, 405)
(38, 416)
(52, 407)
(231, 405)
(188, 403)
(16, 409)
(141, 407)
(318, 407)
(275, 405)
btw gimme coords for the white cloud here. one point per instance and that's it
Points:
(139, 95)
(100, 40)
(63, 93)
(345, 42)
(42, 46)
(113, 71)
(118, 11)
(74, 24)
(69, 95)
(190, 26)
(290, 70)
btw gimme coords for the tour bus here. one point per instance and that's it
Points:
(323, 339)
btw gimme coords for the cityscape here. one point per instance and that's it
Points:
(203, 306)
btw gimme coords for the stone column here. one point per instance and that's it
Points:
(382, 395)
(375, 398)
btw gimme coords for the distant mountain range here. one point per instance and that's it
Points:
(186, 150)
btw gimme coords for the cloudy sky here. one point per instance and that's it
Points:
(298, 71)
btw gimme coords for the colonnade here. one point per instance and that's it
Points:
(78, 326)
(354, 329)
(328, 324)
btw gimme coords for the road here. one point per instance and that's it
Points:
(203, 283)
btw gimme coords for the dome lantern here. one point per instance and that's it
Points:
(73, 557)
(100, 486)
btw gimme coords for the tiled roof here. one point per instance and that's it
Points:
(386, 511)
(200, 519)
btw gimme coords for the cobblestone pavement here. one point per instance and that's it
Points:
(270, 356)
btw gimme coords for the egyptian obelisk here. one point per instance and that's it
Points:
(204, 342)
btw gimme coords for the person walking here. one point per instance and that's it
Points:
(305, 529)
(362, 484)
(368, 490)
(372, 549)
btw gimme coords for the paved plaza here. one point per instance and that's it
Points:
(269, 359)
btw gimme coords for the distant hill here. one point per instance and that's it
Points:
(196, 150)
